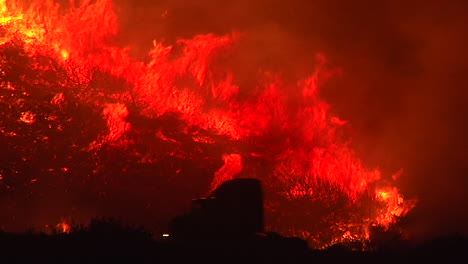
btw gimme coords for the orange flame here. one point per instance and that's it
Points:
(63, 227)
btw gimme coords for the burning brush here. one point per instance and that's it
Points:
(82, 119)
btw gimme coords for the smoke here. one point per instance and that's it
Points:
(402, 87)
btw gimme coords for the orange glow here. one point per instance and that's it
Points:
(65, 54)
(63, 227)
(286, 126)
(394, 205)
(27, 117)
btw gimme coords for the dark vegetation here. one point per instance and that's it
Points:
(107, 240)
(225, 226)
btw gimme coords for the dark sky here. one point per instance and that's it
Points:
(404, 87)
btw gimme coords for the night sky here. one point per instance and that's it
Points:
(403, 86)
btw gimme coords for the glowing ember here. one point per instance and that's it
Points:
(27, 117)
(98, 112)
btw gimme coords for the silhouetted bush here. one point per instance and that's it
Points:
(108, 240)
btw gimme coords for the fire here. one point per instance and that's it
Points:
(64, 227)
(195, 110)
(65, 54)
(27, 117)
(394, 205)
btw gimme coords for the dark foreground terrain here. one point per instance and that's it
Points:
(111, 242)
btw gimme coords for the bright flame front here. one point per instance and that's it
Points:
(281, 133)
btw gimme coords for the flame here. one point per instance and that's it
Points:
(63, 227)
(65, 54)
(232, 166)
(280, 132)
(394, 202)
(27, 117)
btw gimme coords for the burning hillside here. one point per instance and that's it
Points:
(88, 130)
